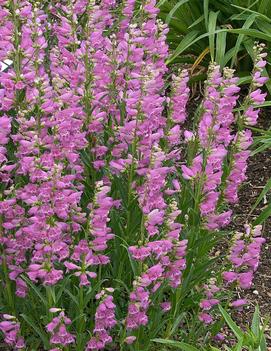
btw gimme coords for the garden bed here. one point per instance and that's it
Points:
(259, 172)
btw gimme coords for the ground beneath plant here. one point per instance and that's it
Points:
(259, 171)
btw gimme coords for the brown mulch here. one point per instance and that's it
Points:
(259, 171)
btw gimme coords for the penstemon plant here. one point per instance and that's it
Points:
(110, 209)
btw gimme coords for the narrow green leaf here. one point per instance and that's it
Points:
(35, 289)
(263, 216)
(260, 149)
(262, 195)
(244, 80)
(265, 104)
(176, 323)
(206, 12)
(268, 83)
(248, 23)
(132, 263)
(184, 44)
(236, 330)
(174, 9)
(221, 40)
(179, 345)
(188, 41)
(35, 327)
(253, 12)
(263, 25)
(263, 343)
(211, 29)
(255, 325)
(161, 3)
(239, 346)
(254, 33)
(264, 6)
(196, 22)
(74, 298)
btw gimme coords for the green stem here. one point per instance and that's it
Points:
(81, 321)
(8, 285)
(49, 301)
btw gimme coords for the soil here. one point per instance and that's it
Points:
(259, 171)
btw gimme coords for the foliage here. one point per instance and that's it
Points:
(252, 340)
(223, 31)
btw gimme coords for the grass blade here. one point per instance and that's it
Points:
(33, 324)
(174, 9)
(184, 44)
(179, 345)
(206, 12)
(220, 48)
(253, 12)
(236, 330)
(188, 41)
(263, 216)
(255, 325)
(211, 29)
(161, 3)
(256, 34)
(262, 195)
(250, 20)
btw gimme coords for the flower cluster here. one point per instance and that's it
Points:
(245, 257)
(104, 321)
(10, 327)
(207, 304)
(57, 328)
(92, 175)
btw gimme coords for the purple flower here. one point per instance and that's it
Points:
(239, 303)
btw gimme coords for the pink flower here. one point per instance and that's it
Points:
(205, 318)
(245, 280)
(166, 306)
(57, 329)
(239, 303)
(230, 276)
(130, 340)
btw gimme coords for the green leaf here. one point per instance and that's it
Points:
(255, 325)
(268, 83)
(174, 9)
(35, 290)
(264, 6)
(176, 323)
(35, 327)
(244, 80)
(250, 20)
(239, 346)
(263, 216)
(221, 40)
(74, 298)
(236, 330)
(188, 41)
(262, 195)
(211, 29)
(206, 12)
(197, 21)
(254, 33)
(179, 345)
(263, 344)
(253, 12)
(184, 44)
(132, 263)
(161, 3)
